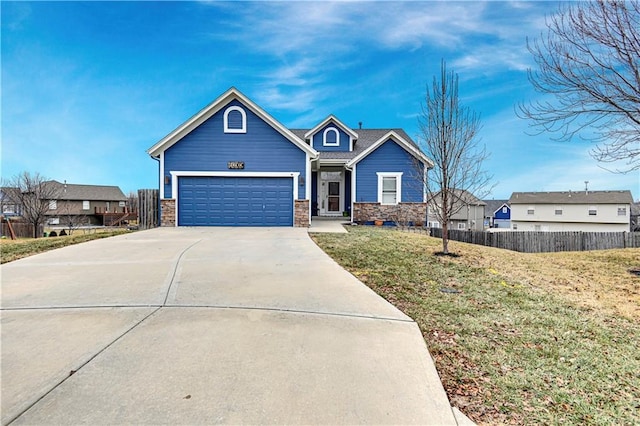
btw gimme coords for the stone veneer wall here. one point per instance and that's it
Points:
(168, 212)
(301, 214)
(403, 212)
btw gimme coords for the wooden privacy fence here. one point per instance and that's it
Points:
(541, 242)
(21, 229)
(148, 208)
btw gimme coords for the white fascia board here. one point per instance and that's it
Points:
(213, 108)
(307, 180)
(399, 140)
(335, 120)
(161, 175)
(333, 162)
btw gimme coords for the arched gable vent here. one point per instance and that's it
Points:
(235, 120)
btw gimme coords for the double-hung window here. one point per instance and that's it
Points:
(389, 188)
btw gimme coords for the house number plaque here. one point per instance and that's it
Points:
(235, 165)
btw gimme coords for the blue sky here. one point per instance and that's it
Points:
(87, 87)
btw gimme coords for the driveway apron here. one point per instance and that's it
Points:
(207, 326)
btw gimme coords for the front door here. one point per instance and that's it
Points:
(331, 193)
(333, 197)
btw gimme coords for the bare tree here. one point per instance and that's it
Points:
(589, 61)
(33, 193)
(449, 136)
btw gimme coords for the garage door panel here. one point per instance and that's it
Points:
(235, 201)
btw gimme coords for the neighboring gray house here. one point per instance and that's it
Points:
(86, 205)
(635, 217)
(8, 206)
(470, 212)
(591, 211)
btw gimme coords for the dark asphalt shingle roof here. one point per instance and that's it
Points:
(366, 138)
(570, 197)
(494, 205)
(88, 192)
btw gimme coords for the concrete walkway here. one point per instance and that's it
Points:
(204, 326)
(329, 225)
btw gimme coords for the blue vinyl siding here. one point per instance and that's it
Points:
(261, 148)
(235, 201)
(388, 157)
(318, 137)
(500, 215)
(314, 193)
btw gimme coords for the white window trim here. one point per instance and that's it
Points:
(53, 204)
(398, 177)
(86, 205)
(593, 209)
(324, 137)
(243, 129)
(622, 210)
(558, 211)
(462, 225)
(531, 210)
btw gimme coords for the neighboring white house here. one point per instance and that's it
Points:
(590, 211)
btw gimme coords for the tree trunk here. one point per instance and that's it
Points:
(445, 238)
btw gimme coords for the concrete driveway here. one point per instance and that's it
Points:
(207, 326)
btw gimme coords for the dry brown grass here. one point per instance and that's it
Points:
(596, 279)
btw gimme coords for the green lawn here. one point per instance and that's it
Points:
(24, 247)
(509, 347)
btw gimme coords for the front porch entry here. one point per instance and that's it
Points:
(331, 192)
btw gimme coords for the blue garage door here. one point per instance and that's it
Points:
(235, 201)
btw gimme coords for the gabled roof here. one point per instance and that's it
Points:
(334, 119)
(69, 191)
(410, 147)
(495, 205)
(570, 197)
(461, 195)
(215, 106)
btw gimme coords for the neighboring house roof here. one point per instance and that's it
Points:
(465, 196)
(570, 197)
(69, 191)
(493, 206)
(214, 107)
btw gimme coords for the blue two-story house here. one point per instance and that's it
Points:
(233, 164)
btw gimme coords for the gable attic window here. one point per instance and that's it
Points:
(504, 209)
(622, 211)
(330, 137)
(558, 211)
(531, 210)
(593, 211)
(389, 188)
(235, 120)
